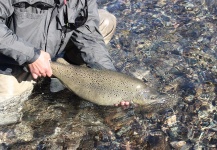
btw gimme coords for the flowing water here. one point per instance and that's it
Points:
(170, 44)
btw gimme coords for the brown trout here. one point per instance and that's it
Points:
(106, 87)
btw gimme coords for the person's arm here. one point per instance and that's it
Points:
(90, 42)
(10, 44)
(19, 50)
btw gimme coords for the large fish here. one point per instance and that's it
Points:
(106, 87)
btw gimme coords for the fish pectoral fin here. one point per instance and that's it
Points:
(62, 61)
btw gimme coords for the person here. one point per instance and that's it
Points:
(32, 32)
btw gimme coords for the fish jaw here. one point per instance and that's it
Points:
(156, 103)
(148, 98)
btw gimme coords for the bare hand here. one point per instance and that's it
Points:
(126, 104)
(123, 103)
(41, 67)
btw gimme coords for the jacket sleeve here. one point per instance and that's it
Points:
(10, 44)
(89, 40)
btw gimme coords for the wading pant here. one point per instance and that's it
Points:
(16, 84)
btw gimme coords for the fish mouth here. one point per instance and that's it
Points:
(133, 104)
(153, 100)
(160, 103)
(157, 100)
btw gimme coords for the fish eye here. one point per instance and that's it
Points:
(152, 97)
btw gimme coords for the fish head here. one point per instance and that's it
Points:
(154, 102)
(148, 98)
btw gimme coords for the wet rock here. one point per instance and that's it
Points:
(23, 132)
(157, 142)
(171, 121)
(10, 110)
(170, 45)
(177, 144)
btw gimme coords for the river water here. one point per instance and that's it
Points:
(170, 44)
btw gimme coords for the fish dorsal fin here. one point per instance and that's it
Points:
(62, 61)
(96, 66)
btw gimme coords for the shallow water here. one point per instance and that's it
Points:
(170, 44)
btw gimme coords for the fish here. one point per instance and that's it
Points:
(106, 87)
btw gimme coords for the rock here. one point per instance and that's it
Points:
(171, 120)
(10, 109)
(177, 144)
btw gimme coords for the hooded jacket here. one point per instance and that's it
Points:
(28, 26)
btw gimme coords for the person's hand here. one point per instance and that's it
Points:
(123, 103)
(126, 104)
(41, 67)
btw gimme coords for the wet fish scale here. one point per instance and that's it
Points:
(104, 87)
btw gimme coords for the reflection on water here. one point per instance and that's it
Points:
(170, 44)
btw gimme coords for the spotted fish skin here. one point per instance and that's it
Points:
(104, 87)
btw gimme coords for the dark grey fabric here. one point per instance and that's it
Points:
(24, 31)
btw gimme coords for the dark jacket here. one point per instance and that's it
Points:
(28, 26)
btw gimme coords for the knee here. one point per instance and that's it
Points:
(107, 24)
(107, 19)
